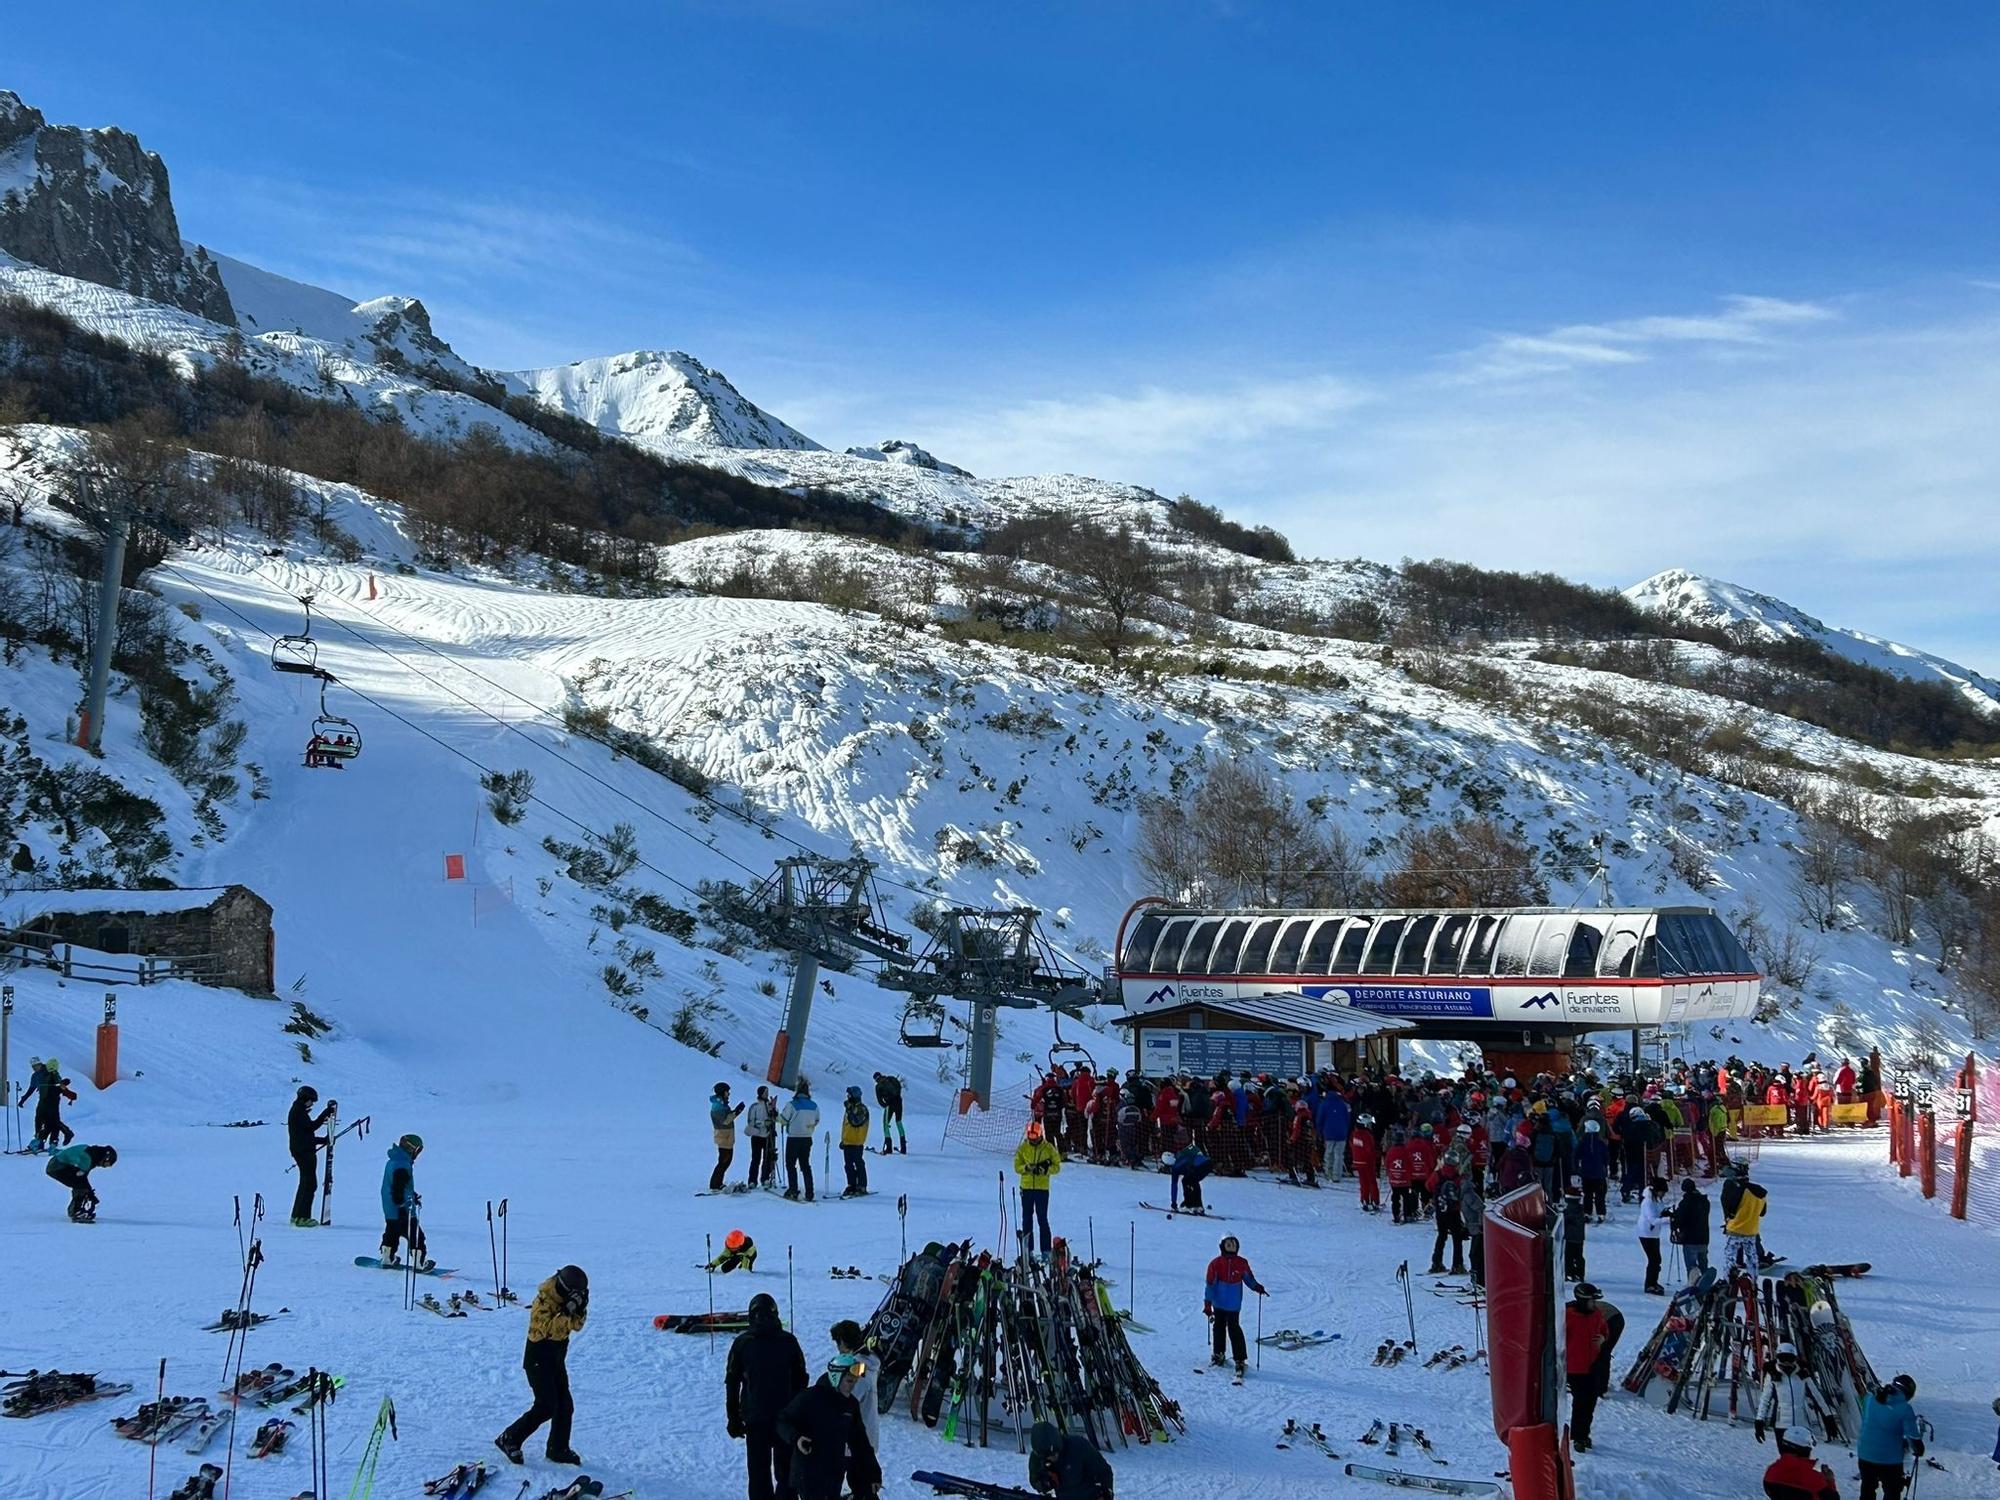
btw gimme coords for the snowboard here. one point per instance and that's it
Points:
(721, 1322)
(1403, 1479)
(1857, 1268)
(1174, 1213)
(376, 1263)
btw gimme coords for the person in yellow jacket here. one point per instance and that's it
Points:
(1035, 1162)
(1743, 1205)
(854, 1120)
(559, 1310)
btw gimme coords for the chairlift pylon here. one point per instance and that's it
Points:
(334, 740)
(300, 652)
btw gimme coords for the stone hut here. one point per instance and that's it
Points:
(217, 936)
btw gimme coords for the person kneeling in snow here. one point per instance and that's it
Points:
(1066, 1465)
(560, 1309)
(739, 1253)
(72, 1167)
(1794, 1476)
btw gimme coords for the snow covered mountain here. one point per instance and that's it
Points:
(94, 204)
(665, 399)
(1699, 600)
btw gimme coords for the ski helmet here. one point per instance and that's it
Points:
(1034, 1131)
(307, 1091)
(854, 1091)
(412, 1143)
(1365, 1120)
(572, 1280)
(1787, 1351)
(722, 1088)
(1907, 1386)
(843, 1365)
(1588, 1291)
(736, 1239)
(107, 1156)
(1796, 1440)
(1229, 1244)
(1464, 1130)
(1591, 1127)
(1166, 1158)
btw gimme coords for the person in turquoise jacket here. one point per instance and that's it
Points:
(400, 1203)
(1888, 1428)
(72, 1167)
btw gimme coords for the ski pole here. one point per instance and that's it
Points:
(160, 1400)
(506, 1287)
(903, 1223)
(791, 1292)
(1132, 1267)
(708, 1244)
(493, 1249)
(242, 1250)
(1260, 1330)
(253, 1257)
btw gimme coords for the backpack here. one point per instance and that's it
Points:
(857, 1113)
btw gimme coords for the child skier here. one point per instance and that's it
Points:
(1066, 1466)
(1185, 1169)
(48, 1088)
(822, 1425)
(1222, 1302)
(739, 1253)
(400, 1203)
(1794, 1475)
(72, 1167)
(560, 1309)
(854, 1142)
(1365, 1159)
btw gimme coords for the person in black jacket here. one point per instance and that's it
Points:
(300, 1126)
(1066, 1466)
(889, 1094)
(1689, 1226)
(766, 1370)
(823, 1428)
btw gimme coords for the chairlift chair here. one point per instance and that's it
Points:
(334, 740)
(297, 653)
(1059, 1049)
(923, 1024)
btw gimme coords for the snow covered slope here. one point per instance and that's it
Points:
(1687, 596)
(666, 398)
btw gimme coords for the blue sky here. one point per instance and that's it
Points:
(1598, 288)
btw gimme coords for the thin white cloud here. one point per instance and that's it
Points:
(1740, 321)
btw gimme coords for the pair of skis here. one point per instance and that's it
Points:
(461, 1482)
(1391, 1352)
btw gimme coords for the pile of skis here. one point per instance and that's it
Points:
(966, 1341)
(1719, 1334)
(38, 1391)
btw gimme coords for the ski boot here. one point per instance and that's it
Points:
(509, 1447)
(565, 1456)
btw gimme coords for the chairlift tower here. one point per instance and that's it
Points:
(823, 911)
(990, 957)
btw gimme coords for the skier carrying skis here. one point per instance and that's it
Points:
(761, 1126)
(72, 1167)
(889, 1095)
(1066, 1465)
(1794, 1475)
(766, 1370)
(300, 1125)
(739, 1253)
(1743, 1205)
(822, 1426)
(722, 1121)
(560, 1309)
(1591, 1327)
(1036, 1161)
(1888, 1429)
(400, 1203)
(1186, 1169)
(1222, 1302)
(854, 1142)
(800, 1119)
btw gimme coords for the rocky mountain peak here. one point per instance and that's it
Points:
(95, 205)
(896, 451)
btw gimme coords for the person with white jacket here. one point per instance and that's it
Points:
(1784, 1400)
(1652, 1218)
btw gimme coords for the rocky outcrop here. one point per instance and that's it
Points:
(94, 204)
(896, 451)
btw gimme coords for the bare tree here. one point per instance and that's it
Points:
(1116, 572)
(1468, 862)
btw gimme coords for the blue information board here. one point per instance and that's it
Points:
(1206, 1053)
(1409, 999)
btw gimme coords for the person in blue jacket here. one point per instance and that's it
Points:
(1222, 1301)
(1185, 1169)
(800, 1119)
(1330, 1118)
(400, 1203)
(1888, 1428)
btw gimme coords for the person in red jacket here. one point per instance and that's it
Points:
(1301, 1144)
(1795, 1476)
(1167, 1115)
(1823, 1102)
(1103, 1110)
(1364, 1158)
(1843, 1082)
(1591, 1327)
(1423, 1162)
(1081, 1087)
(1222, 1301)
(1402, 1198)
(1802, 1096)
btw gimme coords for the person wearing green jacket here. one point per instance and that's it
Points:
(72, 1167)
(1035, 1162)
